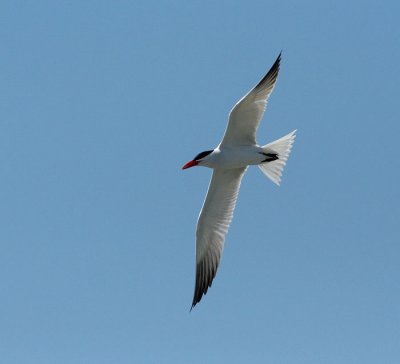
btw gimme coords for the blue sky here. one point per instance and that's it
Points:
(103, 102)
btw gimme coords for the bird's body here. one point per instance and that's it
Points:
(230, 157)
(229, 161)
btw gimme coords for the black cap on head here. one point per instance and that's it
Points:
(202, 155)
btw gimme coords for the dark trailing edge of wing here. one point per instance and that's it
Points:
(272, 74)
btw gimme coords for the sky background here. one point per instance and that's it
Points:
(102, 102)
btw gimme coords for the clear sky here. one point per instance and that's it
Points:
(102, 102)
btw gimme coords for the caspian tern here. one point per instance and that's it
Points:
(229, 161)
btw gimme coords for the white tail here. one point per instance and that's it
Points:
(282, 147)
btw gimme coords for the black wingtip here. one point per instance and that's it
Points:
(272, 74)
(194, 302)
(277, 61)
(205, 274)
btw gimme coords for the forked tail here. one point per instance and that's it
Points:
(281, 148)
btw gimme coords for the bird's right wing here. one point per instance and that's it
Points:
(213, 224)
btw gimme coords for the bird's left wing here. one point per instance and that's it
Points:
(246, 115)
(213, 224)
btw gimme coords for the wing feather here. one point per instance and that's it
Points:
(212, 226)
(246, 115)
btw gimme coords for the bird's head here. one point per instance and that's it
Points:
(198, 159)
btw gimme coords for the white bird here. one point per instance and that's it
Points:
(229, 161)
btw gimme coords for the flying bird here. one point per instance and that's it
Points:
(229, 161)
